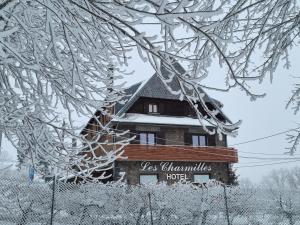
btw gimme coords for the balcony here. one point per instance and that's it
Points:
(137, 152)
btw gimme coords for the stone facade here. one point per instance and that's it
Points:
(172, 135)
(171, 172)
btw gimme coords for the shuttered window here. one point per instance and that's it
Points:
(153, 108)
(211, 140)
(147, 138)
(199, 140)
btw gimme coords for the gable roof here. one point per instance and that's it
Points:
(154, 87)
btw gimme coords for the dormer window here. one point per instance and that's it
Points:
(153, 108)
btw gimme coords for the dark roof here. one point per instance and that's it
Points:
(128, 94)
(154, 87)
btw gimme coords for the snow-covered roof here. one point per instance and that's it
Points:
(159, 119)
(154, 87)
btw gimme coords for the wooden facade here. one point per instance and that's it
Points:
(167, 132)
(168, 107)
(137, 152)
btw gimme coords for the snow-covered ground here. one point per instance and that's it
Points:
(22, 202)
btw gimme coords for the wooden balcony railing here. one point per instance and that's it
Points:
(137, 152)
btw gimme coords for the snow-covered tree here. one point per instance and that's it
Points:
(54, 61)
(58, 54)
(282, 184)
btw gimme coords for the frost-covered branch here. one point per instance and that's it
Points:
(293, 139)
(294, 102)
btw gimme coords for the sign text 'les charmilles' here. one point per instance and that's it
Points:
(171, 168)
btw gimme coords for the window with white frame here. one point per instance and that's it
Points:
(147, 138)
(148, 179)
(153, 108)
(201, 178)
(199, 140)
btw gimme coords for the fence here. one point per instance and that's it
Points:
(113, 204)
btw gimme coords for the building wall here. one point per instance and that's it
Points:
(133, 170)
(165, 107)
(171, 135)
(170, 107)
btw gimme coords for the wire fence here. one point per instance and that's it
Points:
(58, 203)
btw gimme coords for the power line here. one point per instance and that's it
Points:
(267, 154)
(182, 147)
(266, 137)
(286, 160)
(240, 143)
(267, 164)
(198, 150)
(255, 162)
(250, 141)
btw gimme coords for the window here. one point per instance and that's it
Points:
(199, 140)
(201, 178)
(153, 108)
(147, 138)
(148, 179)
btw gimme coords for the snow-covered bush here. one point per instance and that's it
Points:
(22, 202)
